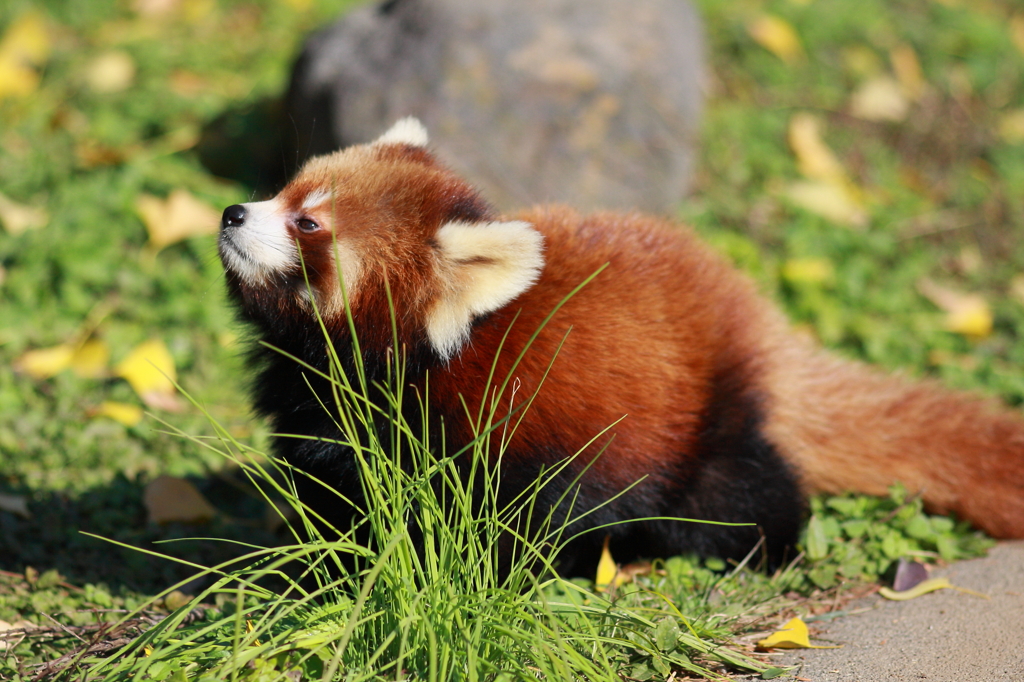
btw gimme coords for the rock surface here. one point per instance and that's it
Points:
(591, 103)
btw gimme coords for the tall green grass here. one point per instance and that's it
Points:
(428, 597)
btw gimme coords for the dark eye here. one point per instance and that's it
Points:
(306, 225)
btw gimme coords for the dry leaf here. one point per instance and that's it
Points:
(17, 218)
(880, 99)
(606, 569)
(814, 158)
(6, 644)
(169, 499)
(808, 271)
(924, 588)
(1017, 31)
(793, 635)
(834, 201)
(778, 37)
(110, 72)
(908, 71)
(179, 216)
(24, 48)
(123, 413)
(829, 193)
(909, 574)
(149, 369)
(967, 314)
(15, 504)
(1011, 126)
(44, 363)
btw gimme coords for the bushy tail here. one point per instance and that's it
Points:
(850, 428)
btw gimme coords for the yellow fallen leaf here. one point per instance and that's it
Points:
(1011, 126)
(112, 71)
(1017, 31)
(808, 270)
(778, 37)
(169, 499)
(179, 216)
(793, 635)
(17, 218)
(967, 314)
(814, 158)
(44, 363)
(149, 369)
(832, 200)
(925, 587)
(828, 191)
(90, 360)
(123, 413)
(249, 629)
(606, 569)
(880, 99)
(15, 504)
(908, 71)
(24, 48)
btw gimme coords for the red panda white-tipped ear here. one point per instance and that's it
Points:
(485, 266)
(406, 130)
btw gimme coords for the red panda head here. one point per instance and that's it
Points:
(374, 218)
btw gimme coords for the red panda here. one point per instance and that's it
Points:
(719, 410)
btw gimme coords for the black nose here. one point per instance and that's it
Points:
(234, 216)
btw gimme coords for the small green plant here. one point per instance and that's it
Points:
(858, 537)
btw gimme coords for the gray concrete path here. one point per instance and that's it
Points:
(945, 636)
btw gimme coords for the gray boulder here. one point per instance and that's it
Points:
(595, 103)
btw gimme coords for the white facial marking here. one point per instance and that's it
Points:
(490, 264)
(261, 246)
(314, 199)
(405, 131)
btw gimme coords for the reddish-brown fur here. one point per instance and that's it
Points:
(659, 384)
(668, 342)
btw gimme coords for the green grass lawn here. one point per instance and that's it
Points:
(130, 103)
